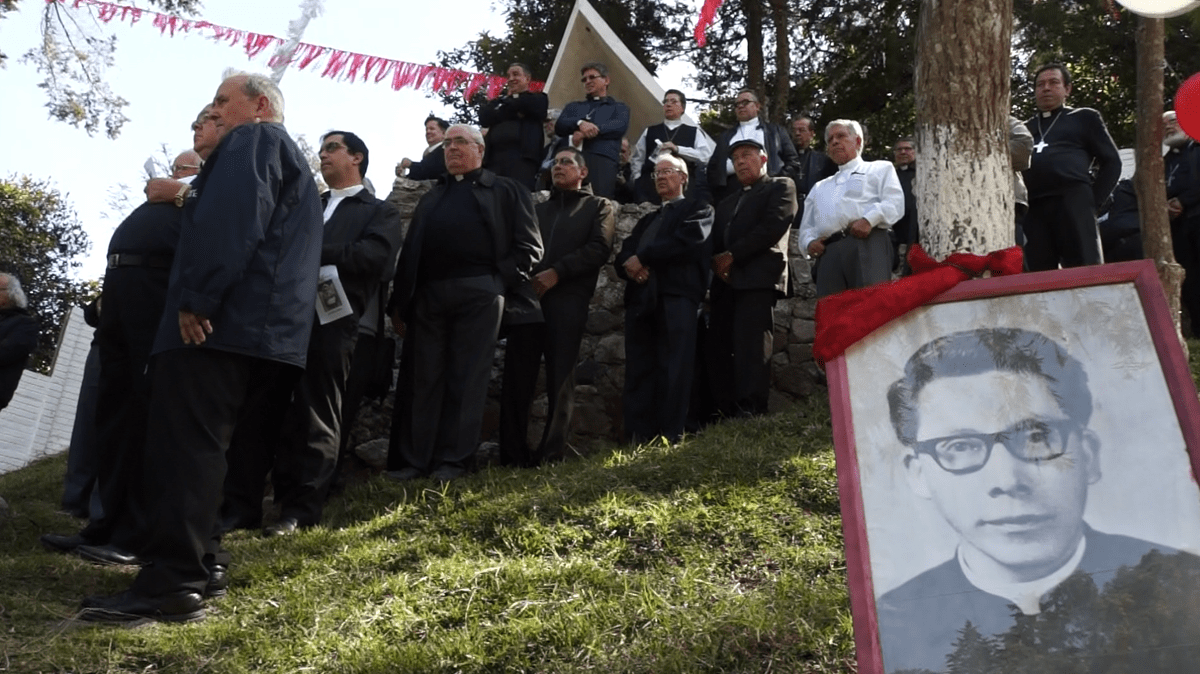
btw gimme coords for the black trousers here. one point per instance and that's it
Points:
(740, 343)
(452, 332)
(602, 174)
(1185, 239)
(80, 494)
(1061, 229)
(557, 340)
(302, 455)
(660, 353)
(200, 394)
(365, 349)
(509, 163)
(133, 306)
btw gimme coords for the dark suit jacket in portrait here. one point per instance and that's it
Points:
(753, 225)
(782, 158)
(923, 621)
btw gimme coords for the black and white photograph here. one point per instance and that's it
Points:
(1026, 488)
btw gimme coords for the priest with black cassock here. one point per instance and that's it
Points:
(514, 123)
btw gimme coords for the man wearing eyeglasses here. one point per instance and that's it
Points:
(665, 263)
(596, 126)
(994, 423)
(782, 159)
(673, 135)
(300, 447)
(473, 238)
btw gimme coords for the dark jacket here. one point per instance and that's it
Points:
(361, 238)
(782, 159)
(905, 229)
(577, 230)
(607, 113)
(431, 167)
(249, 249)
(757, 233)
(678, 257)
(508, 209)
(514, 126)
(18, 339)
(814, 167)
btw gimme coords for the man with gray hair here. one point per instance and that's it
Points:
(473, 238)
(18, 335)
(239, 311)
(596, 126)
(847, 215)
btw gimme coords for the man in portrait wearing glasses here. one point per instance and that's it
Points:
(1011, 478)
(782, 159)
(596, 126)
(672, 135)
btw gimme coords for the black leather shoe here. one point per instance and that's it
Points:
(108, 555)
(128, 606)
(285, 526)
(63, 543)
(218, 581)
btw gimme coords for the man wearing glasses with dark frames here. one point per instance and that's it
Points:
(595, 126)
(1009, 470)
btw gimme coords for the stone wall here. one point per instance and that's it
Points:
(600, 374)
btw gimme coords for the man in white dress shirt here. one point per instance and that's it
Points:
(848, 215)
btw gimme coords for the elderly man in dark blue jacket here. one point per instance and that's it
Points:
(596, 126)
(236, 327)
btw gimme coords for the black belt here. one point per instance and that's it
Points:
(152, 260)
(835, 237)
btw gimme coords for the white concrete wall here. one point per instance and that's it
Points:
(38, 421)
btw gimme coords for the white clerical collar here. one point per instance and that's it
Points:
(851, 165)
(676, 199)
(753, 122)
(673, 123)
(1027, 596)
(187, 180)
(341, 193)
(1047, 113)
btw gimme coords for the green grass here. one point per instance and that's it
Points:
(722, 554)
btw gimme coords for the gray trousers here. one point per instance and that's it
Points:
(855, 263)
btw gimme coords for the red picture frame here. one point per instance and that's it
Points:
(1139, 293)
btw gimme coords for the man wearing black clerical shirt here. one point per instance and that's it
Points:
(905, 232)
(236, 324)
(1060, 228)
(139, 256)
(665, 263)
(781, 154)
(596, 126)
(750, 241)
(473, 237)
(301, 450)
(514, 124)
(673, 135)
(1181, 167)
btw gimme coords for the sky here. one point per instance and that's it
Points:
(168, 79)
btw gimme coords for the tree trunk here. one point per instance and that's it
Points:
(964, 181)
(1148, 181)
(754, 45)
(783, 61)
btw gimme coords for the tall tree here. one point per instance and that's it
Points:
(41, 241)
(964, 178)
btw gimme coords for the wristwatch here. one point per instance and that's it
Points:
(181, 195)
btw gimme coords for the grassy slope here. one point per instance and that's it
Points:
(723, 554)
